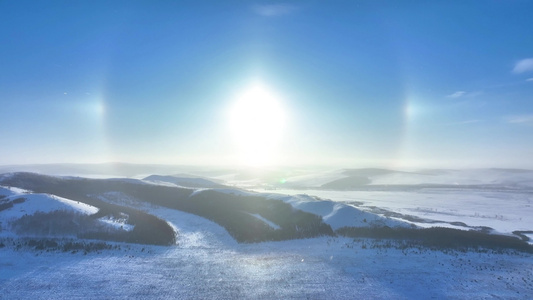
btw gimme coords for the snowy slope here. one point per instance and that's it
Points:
(39, 203)
(333, 213)
(31, 203)
(336, 214)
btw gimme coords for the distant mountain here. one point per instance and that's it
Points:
(114, 169)
(192, 182)
(347, 183)
(354, 179)
(368, 172)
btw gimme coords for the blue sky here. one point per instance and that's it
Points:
(361, 83)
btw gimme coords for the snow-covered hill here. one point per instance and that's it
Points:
(18, 204)
(31, 203)
(337, 214)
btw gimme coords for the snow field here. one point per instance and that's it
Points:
(207, 263)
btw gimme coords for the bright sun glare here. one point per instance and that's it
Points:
(257, 120)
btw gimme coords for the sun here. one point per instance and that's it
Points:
(257, 121)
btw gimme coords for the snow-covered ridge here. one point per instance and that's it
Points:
(26, 203)
(336, 214)
(40, 203)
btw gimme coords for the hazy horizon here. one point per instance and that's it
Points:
(107, 169)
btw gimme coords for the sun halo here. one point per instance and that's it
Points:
(257, 120)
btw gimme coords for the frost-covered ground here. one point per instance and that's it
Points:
(206, 263)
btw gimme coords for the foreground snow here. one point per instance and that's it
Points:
(206, 263)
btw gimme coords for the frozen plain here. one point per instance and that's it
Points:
(206, 263)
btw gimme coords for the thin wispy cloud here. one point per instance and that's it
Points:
(529, 79)
(469, 122)
(457, 94)
(274, 10)
(462, 94)
(520, 119)
(524, 65)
